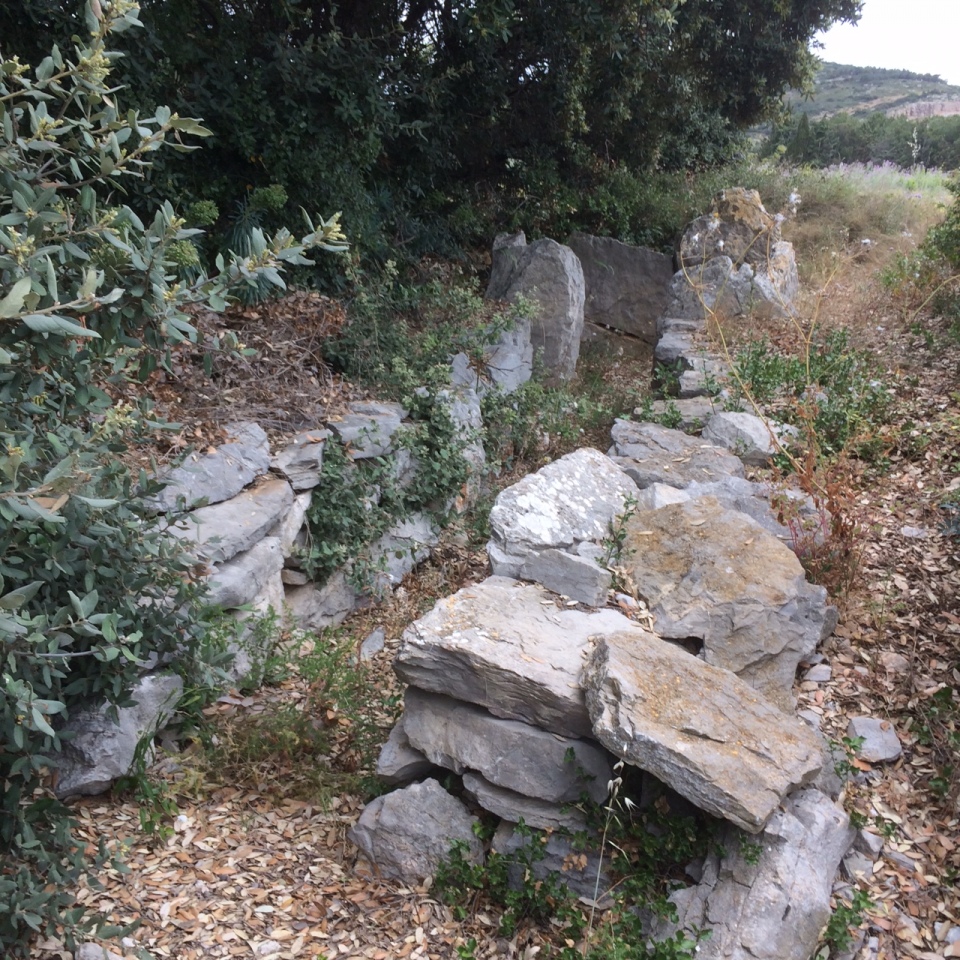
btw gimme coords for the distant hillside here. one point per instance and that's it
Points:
(865, 90)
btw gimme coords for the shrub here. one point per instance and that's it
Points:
(91, 589)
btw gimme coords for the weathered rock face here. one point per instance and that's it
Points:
(626, 286)
(549, 276)
(748, 436)
(507, 753)
(102, 750)
(368, 429)
(219, 474)
(240, 580)
(225, 529)
(739, 227)
(697, 728)
(512, 806)
(547, 527)
(509, 648)
(408, 832)
(741, 230)
(774, 909)
(713, 574)
(715, 286)
(649, 453)
(301, 460)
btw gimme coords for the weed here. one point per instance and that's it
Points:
(838, 934)
(845, 766)
(750, 849)
(154, 804)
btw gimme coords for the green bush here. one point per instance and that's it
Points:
(92, 591)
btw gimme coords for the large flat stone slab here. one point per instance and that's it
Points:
(216, 475)
(712, 573)
(508, 647)
(225, 529)
(507, 753)
(626, 286)
(697, 727)
(649, 453)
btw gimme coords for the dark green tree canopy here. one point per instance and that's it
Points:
(391, 108)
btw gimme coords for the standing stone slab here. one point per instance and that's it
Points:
(626, 286)
(508, 647)
(549, 276)
(700, 291)
(774, 909)
(649, 453)
(225, 529)
(406, 834)
(102, 750)
(219, 474)
(508, 753)
(713, 574)
(697, 728)
(539, 524)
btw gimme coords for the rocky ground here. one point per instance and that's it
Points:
(257, 864)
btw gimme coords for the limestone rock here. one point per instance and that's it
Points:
(548, 276)
(697, 728)
(690, 414)
(748, 436)
(314, 607)
(399, 762)
(539, 525)
(649, 453)
(291, 523)
(507, 753)
(240, 580)
(776, 908)
(406, 834)
(711, 573)
(880, 741)
(93, 951)
(102, 750)
(368, 429)
(301, 460)
(225, 529)
(514, 807)
(738, 227)
(626, 286)
(406, 544)
(509, 648)
(219, 474)
(777, 283)
(715, 287)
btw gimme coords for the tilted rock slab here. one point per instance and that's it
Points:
(508, 753)
(223, 530)
(626, 286)
(649, 453)
(540, 524)
(301, 460)
(711, 573)
(408, 832)
(696, 727)
(508, 647)
(514, 807)
(218, 475)
(239, 581)
(750, 437)
(774, 909)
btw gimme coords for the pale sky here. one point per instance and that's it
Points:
(918, 35)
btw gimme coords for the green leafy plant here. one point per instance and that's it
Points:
(92, 589)
(838, 936)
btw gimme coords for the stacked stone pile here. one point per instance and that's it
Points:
(532, 691)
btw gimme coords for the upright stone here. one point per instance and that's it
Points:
(549, 277)
(626, 286)
(697, 728)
